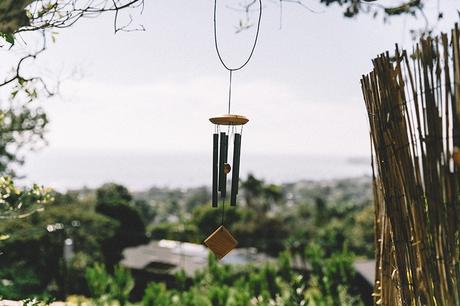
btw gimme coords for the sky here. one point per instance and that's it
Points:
(152, 92)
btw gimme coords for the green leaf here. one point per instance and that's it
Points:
(8, 37)
(53, 36)
(13, 94)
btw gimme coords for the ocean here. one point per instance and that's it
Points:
(139, 171)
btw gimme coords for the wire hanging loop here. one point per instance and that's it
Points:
(253, 46)
(216, 44)
(230, 91)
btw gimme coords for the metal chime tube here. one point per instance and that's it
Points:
(236, 169)
(221, 162)
(215, 166)
(224, 182)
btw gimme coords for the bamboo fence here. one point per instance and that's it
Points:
(413, 104)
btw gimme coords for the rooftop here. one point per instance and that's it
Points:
(169, 257)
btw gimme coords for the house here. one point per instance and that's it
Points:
(169, 257)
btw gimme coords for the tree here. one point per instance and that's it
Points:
(259, 195)
(106, 288)
(114, 201)
(331, 277)
(113, 194)
(207, 219)
(32, 258)
(22, 127)
(43, 16)
(19, 203)
(22, 123)
(355, 7)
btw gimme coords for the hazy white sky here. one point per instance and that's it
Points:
(154, 91)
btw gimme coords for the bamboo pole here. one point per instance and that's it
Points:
(413, 106)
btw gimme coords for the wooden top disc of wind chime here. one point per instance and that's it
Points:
(229, 120)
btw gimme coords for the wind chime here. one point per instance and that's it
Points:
(228, 128)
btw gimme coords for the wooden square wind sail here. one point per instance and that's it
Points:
(221, 242)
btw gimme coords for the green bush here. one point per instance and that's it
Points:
(156, 295)
(106, 288)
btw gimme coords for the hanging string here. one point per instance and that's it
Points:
(230, 91)
(223, 211)
(216, 44)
